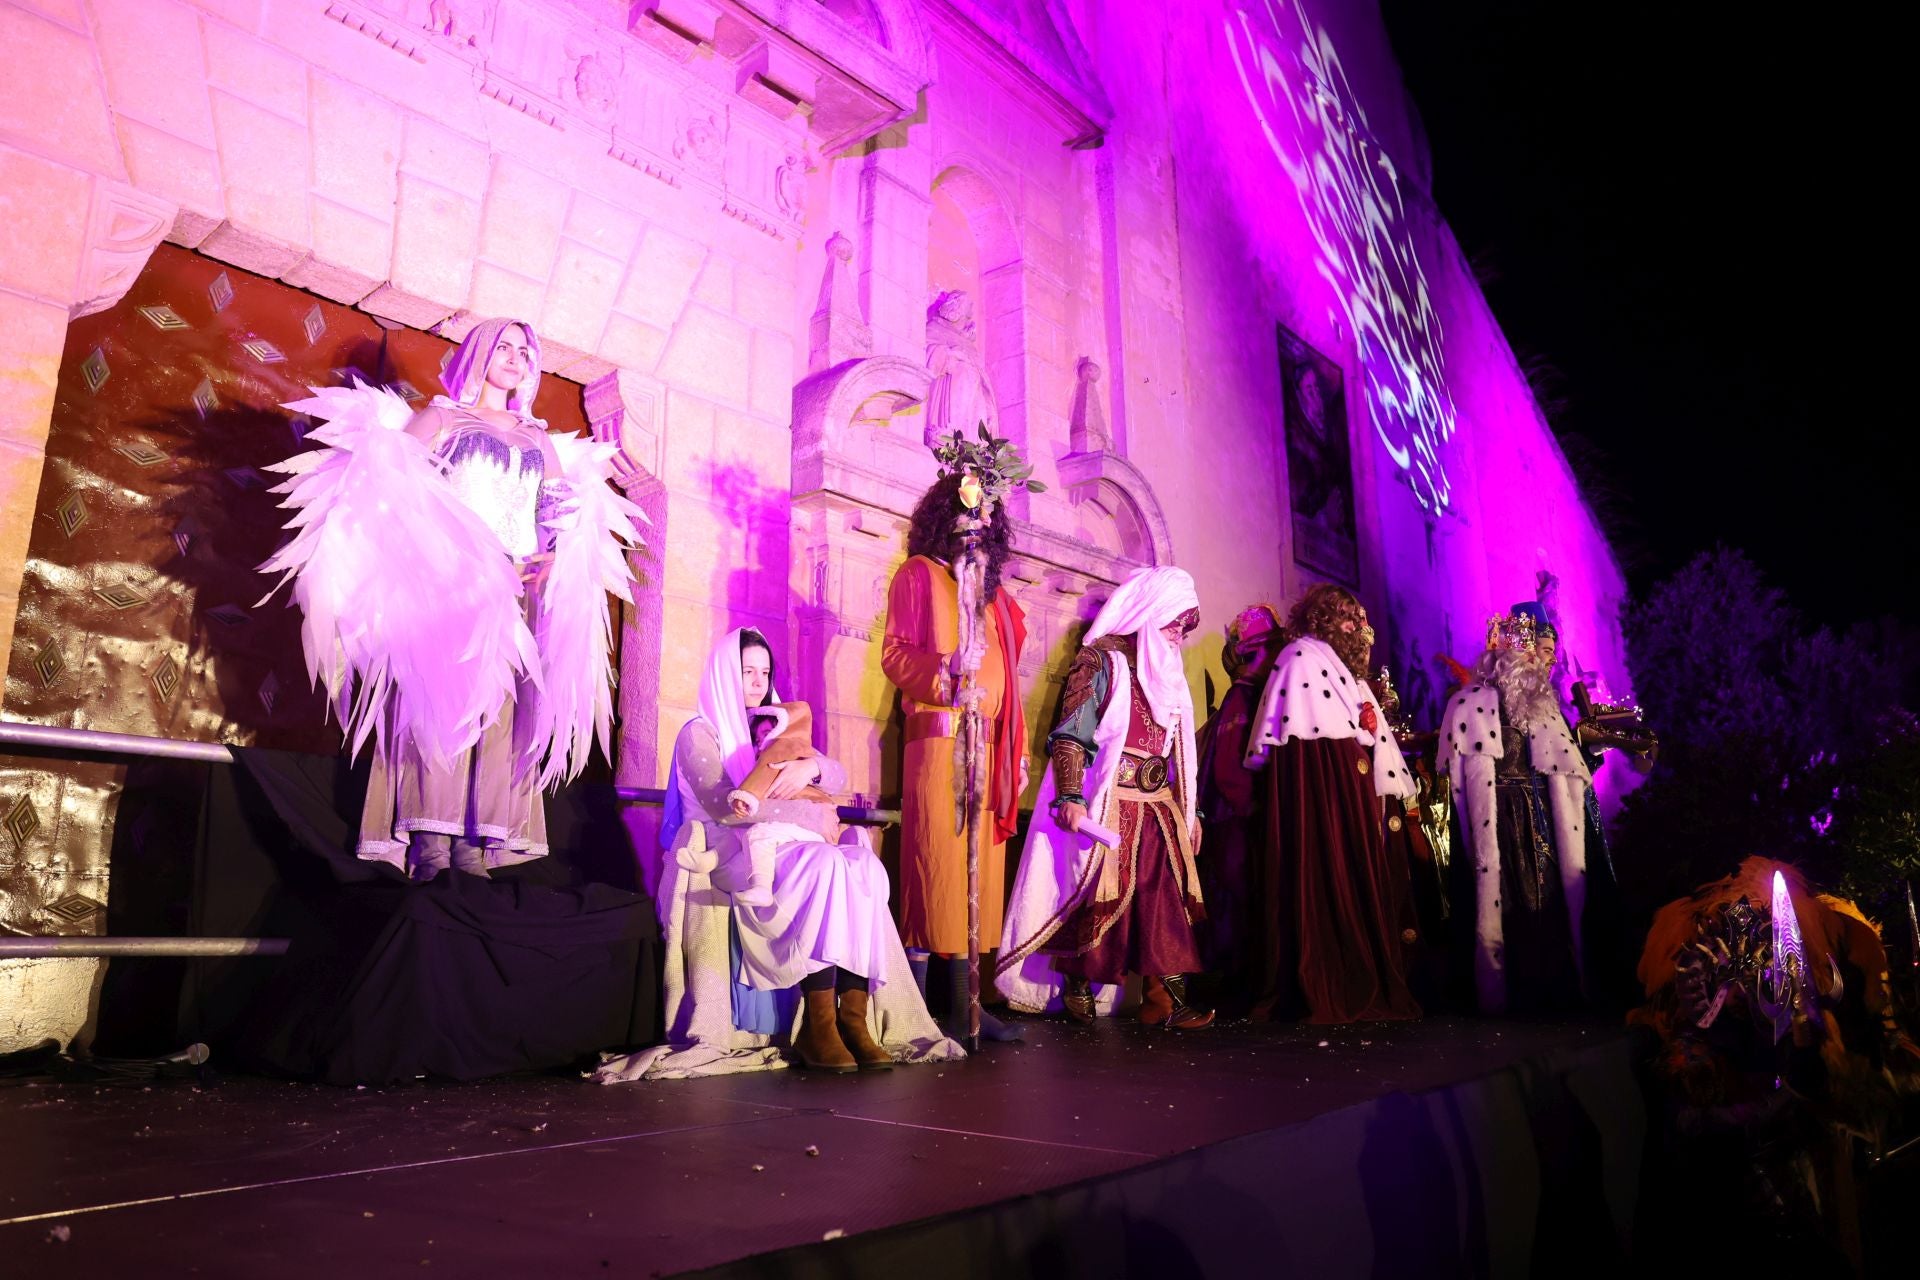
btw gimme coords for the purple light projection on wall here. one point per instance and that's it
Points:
(1350, 194)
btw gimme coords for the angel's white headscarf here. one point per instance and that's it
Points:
(466, 369)
(1146, 602)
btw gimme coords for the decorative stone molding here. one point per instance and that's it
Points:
(1119, 487)
(847, 436)
(677, 28)
(123, 226)
(628, 408)
(838, 332)
(1087, 426)
(395, 36)
(1035, 46)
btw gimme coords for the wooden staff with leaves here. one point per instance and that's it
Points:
(988, 469)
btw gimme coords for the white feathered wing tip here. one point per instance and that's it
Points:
(411, 609)
(574, 624)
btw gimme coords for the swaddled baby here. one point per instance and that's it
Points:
(781, 734)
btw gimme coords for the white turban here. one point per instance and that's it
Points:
(1144, 603)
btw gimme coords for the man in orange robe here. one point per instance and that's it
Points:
(921, 658)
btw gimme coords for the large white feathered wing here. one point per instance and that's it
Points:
(573, 623)
(412, 614)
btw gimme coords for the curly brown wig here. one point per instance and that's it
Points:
(1320, 612)
(931, 531)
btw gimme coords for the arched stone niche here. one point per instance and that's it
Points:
(998, 286)
(1118, 510)
(856, 431)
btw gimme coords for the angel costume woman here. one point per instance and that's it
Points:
(1084, 914)
(453, 567)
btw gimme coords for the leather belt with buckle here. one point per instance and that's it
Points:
(1142, 772)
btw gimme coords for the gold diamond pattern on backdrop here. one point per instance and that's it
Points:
(144, 455)
(71, 513)
(120, 597)
(165, 678)
(162, 317)
(22, 821)
(48, 663)
(74, 908)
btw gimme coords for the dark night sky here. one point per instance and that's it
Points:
(1687, 216)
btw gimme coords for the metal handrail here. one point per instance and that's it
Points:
(852, 815)
(42, 948)
(42, 737)
(46, 737)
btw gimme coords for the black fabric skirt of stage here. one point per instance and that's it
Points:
(460, 978)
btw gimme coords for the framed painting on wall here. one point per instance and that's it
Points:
(1313, 402)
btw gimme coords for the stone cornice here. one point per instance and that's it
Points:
(1067, 89)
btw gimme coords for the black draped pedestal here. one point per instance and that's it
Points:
(386, 981)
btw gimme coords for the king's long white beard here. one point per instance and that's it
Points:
(1526, 689)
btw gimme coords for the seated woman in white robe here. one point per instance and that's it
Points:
(816, 920)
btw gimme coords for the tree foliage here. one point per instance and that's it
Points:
(1776, 738)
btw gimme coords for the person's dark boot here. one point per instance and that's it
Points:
(1183, 1016)
(428, 854)
(1077, 997)
(991, 1028)
(1156, 1006)
(819, 1047)
(917, 961)
(852, 1023)
(470, 859)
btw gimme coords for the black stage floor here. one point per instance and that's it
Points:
(1318, 1151)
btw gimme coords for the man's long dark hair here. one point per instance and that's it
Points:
(931, 532)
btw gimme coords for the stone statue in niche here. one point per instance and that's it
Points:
(1088, 426)
(961, 395)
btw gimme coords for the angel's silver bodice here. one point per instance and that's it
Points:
(500, 483)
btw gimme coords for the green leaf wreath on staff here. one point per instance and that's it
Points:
(989, 468)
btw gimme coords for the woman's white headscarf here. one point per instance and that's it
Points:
(1144, 603)
(723, 705)
(466, 369)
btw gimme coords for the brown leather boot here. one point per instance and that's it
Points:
(1183, 1016)
(1156, 1006)
(852, 1022)
(818, 1046)
(1077, 997)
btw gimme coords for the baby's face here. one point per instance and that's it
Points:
(762, 730)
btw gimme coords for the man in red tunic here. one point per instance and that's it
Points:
(921, 658)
